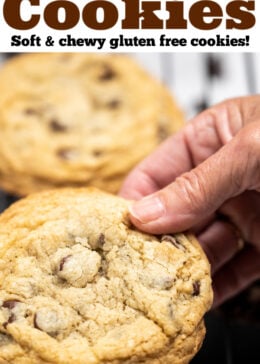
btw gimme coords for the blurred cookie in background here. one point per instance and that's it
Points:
(78, 119)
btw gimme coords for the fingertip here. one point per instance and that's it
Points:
(149, 215)
(147, 210)
(154, 228)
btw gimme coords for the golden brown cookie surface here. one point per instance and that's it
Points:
(80, 285)
(77, 120)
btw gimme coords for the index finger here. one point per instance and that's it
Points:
(197, 141)
(161, 167)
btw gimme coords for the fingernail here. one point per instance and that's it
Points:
(148, 209)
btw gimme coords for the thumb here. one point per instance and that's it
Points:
(195, 195)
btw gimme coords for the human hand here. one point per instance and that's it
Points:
(208, 170)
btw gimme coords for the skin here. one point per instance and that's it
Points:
(206, 178)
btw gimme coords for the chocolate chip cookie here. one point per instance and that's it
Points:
(80, 285)
(77, 120)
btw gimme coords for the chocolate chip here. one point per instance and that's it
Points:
(66, 153)
(63, 261)
(101, 271)
(56, 126)
(97, 153)
(196, 288)
(31, 111)
(173, 241)
(4, 339)
(65, 57)
(101, 240)
(11, 319)
(113, 104)
(162, 133)
(10, 304)
(107, 73)
(35, 322)
(170, 311)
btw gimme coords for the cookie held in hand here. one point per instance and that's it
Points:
(78, 120)
(79, 285)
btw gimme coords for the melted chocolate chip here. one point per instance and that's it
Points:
(35, 322)
(11, 319)
(107, 73)
(101, 240)
(56, 126)
(113, 104)
(65, 57)
(66, 153)
(10, 304)
(170, 311)
(173, 241)
(5, 324)
(63, 261)
(196, 288)
(101, 271)
(31, 111)
(97, 153)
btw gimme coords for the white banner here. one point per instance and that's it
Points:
(129, 26)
